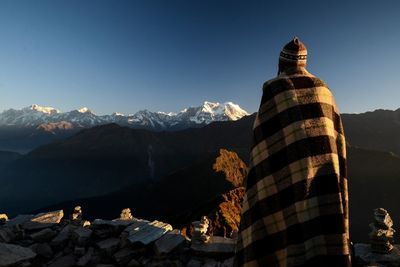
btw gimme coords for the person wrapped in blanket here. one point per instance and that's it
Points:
(295, 211)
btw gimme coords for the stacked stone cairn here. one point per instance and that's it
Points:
(126, 214)
(3, 218)
(76, 216)
(381, 236)
(51, 240)
(200, 230)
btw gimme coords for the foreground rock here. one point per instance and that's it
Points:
(146, 232)
(10, 255)
(365, 256)
(39, 221)
(217, 246)
(50, 240)
(169, 242)
(43, 235)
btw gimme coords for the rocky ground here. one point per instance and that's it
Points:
(366, 257)
(54, 240)
(50, 239)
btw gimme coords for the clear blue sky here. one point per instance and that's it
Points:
(165, 55)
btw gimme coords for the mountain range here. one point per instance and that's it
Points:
(28, 128)
(48, 118)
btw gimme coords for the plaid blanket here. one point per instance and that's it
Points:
(295, 211)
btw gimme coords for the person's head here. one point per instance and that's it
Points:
(293, 54)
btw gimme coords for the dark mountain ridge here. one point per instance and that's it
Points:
(106, 158)
(377, 130)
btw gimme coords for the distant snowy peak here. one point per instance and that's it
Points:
(50, 118)
(45, 110)
(84, 110)
(210, 112)
(228, 109)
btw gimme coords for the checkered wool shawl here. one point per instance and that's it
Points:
(295, 211)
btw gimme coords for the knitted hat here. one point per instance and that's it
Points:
(294, 53)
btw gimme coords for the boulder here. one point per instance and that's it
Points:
(108, 246)
(82, 235)
(43, 235)
(134, 263)
(63, 236)
(85, 259)
(169, 242)
(42, 249)
(107, 228)
(43, 220)
(124, 256)
(11, 255)
(217, 246)
(143, 232)
(6, 235)
(79, 251)
(194, 263)
(86, 224)
(64, 261)
(211, 263)
(19, 220)
(228, 262)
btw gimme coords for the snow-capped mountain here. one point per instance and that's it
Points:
(47, 117)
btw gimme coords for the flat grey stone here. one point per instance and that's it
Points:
(108, 246)
(19, 220)
(42, 249)
(211, 263)
(12, 254)
(65, 261)
(168, 242)
(124, 256)
(216, 246)
(79, 251)
(6, 235)
(134, 263)
(112, 223)
(107, 228)
(63, 236)
(82, 235)
(194, 263)
(43, 235)
(145, 233)
(85, 259)
(43, 220)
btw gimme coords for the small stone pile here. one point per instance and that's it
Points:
(200, 230)
(381, 236)
(76, 216)
(50, 240)
(126, 214)
(3, 218)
